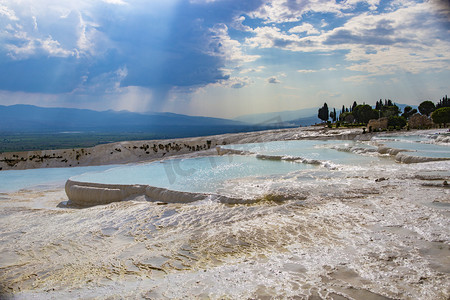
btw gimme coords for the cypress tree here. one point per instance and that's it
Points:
(323, 112)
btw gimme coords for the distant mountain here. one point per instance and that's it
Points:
(29, 118)
(303, 117)
(402, 106)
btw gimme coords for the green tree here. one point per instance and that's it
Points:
(441, 116)
(408, 111)
(426, 107)
(364, 113)
(445, 102)
(390, 111)
(347, 117)
(333, 115)
(323, 112)
(396, 121)
(379, 105)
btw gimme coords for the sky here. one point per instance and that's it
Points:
(222, 58)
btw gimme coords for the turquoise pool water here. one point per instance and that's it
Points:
(410, 138)
(208, 174)
(425, 150)
(338, 152)
(200, 175)
(14, 180)
(420, 145)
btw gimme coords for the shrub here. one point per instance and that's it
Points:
(364, 113)
(395, 121)
(441, 116)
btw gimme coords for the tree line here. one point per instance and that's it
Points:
(362, 113)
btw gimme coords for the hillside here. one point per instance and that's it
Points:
(301, 117)
(28, 118)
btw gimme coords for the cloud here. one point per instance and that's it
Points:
(328, 94)
(442, 7)
(273, 80)
(305, 27)
(314, 71)
(323, 23)
(234, 82)
(273, 37)
(221, 45)
(411, 29)
(105, 83)
(161, 45)
(307, 71)
(284, 11)
(372, 4)
(253, 70)
(117, 2)
(379, 32)
(366, 79)
(22, 39)
(238, 24)
(371, 50)
(8, 13)
(376, 42)
(26, 46)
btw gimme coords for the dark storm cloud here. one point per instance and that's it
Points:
(158, 50)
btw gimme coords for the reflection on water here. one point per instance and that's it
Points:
(201, 175)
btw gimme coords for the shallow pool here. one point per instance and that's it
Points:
(199, 175)
(424, 145)
(14, 180)
(338, 152)
(210, 174)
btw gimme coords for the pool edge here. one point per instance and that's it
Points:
(88, 194)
